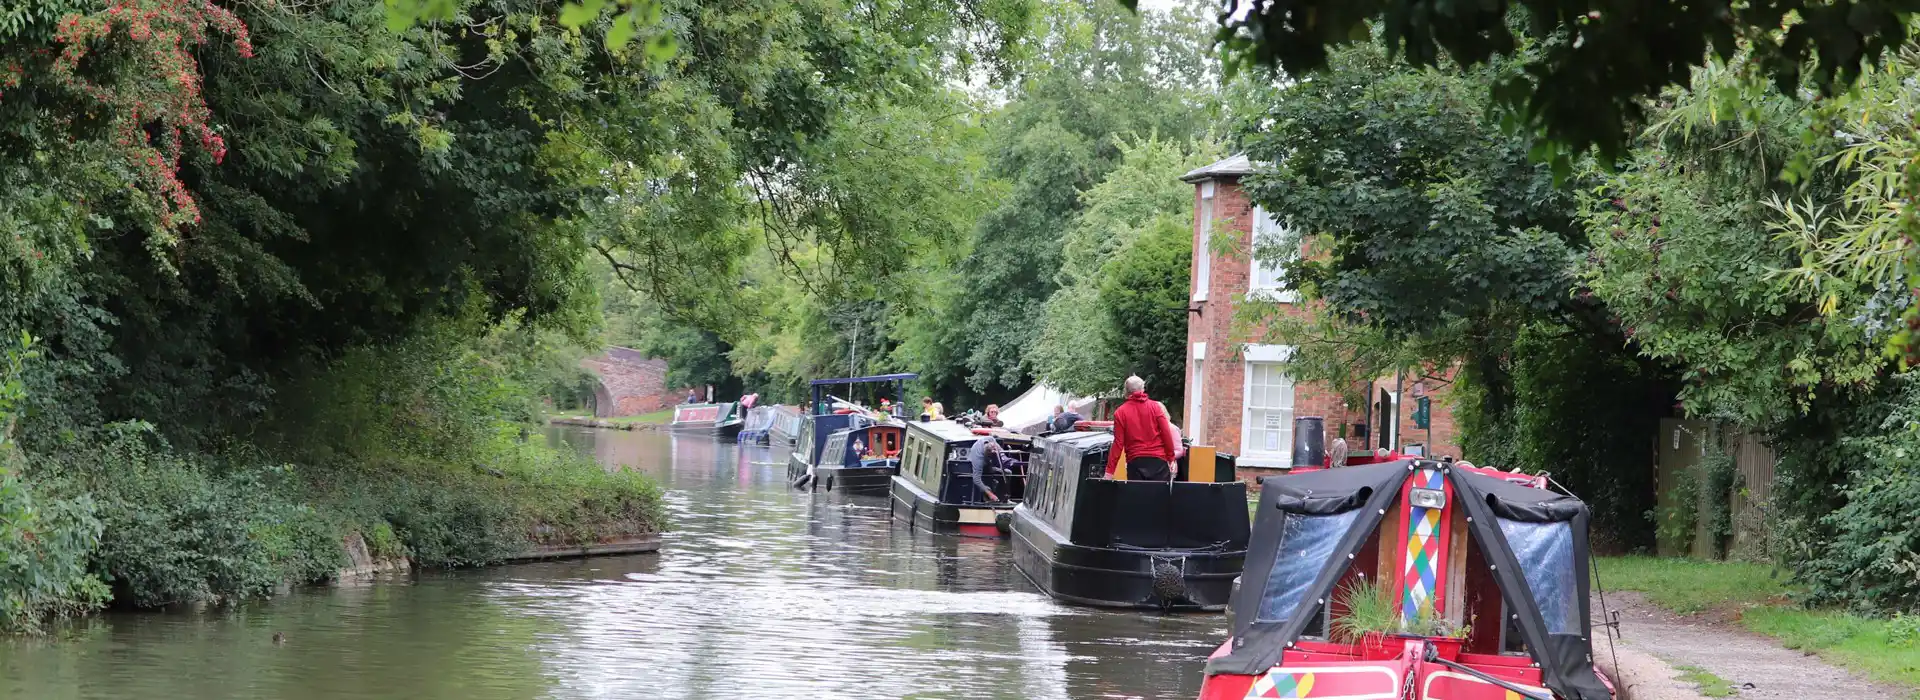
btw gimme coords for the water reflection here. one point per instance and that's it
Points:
(758, 591)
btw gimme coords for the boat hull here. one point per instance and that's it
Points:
(921, 510)
(868, 479)
(725, 430)
(1122, 578)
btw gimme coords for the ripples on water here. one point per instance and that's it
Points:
(759, 591)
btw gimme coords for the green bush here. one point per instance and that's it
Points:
(1677, 521)
(44, 545)
(181, 528)
(1581, 411)
(1858, 544)
(419, 446)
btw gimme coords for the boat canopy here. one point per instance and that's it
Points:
(865, 380)
(822, 403)
(1534, 541)
(1031, 412)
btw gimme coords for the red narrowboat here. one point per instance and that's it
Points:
(1411, 579)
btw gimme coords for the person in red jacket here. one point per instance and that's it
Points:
(1140, 429)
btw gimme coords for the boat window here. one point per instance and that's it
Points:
(1306, 544)
(1545, 553)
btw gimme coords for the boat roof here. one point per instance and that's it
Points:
(1079, 441)
(945, 430)
(863, 380)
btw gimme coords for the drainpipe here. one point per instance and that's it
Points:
(1396, 410)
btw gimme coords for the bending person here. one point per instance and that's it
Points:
(1143, 431)
(985, 458)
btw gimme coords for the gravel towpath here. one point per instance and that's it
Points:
(1652, 641)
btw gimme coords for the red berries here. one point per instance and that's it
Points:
(165, 92)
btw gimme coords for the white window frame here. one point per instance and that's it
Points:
(1203, 248)
(1196, 398)
(1251, 355)
(1265, 227)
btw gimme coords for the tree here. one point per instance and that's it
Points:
(1433, 241)
(1105, 75)
(1082, 347)
(1588, 66)
(1144, 292)
(1715, 266)
(1427, 223)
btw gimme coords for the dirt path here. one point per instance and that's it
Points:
(1757, 667)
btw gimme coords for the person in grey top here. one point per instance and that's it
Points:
(985, 458)
(1063, 419)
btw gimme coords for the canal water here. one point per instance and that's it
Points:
(758, 592)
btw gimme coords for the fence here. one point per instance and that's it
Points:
(1683, 446)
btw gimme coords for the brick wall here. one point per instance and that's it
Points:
(1223, 384)
(1445, 438)
(630, 383)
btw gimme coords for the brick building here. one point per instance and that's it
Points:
(1238, 397)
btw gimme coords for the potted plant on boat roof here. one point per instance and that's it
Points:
(1372, 620)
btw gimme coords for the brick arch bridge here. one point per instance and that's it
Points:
(630, 383)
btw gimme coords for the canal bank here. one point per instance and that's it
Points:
(849, 604)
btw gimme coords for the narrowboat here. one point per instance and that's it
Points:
(860, 458)
(935, 491)
(722, 419)
(1164, 545)
(829, 414)
(1411, 578)
(785, 428)
(753, 431)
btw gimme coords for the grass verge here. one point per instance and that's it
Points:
(1759, 599)
(1703, 680)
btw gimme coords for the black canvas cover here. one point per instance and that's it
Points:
(1536, 542)
(1323, 518)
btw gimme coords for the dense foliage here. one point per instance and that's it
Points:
(950, 226)
(1436, 243)
(1744, 264)
(297, 271)
(1124, 268)
(1589, 65)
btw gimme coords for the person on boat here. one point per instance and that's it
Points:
(930, 409)
(1141, 429)
(985, 459)
(993, 417)
(692, 397)
(1063, 419)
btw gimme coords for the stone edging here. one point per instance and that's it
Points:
(362, 567)
(641, 544)
(607, 425)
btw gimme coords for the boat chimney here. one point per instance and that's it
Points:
(1309, 441)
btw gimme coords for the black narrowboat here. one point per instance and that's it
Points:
(1085, 538)
(935, 491)
(860, 458)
